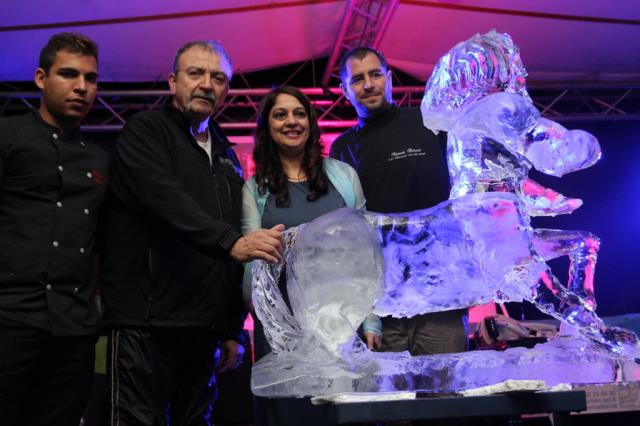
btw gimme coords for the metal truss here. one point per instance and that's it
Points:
(593, 102)
(363, 24)
(238, 114)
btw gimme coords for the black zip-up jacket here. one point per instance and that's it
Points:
(172, 216)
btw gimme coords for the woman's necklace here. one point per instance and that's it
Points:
(300, 178)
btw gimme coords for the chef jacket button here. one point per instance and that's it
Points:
(56, 244)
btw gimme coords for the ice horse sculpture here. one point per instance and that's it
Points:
(477, 94)
(476, 247)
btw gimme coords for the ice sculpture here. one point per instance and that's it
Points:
(495, 136)
(477, 246)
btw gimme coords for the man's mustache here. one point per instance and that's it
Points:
(206, 96)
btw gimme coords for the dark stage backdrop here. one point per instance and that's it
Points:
(611, 210)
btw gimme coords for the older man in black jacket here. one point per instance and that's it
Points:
(171, 274)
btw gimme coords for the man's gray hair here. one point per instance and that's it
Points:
(213, 46)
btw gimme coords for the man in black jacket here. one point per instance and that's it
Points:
(402, 167)
(171, 275)
(52, 182)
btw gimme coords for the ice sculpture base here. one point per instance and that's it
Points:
(563, 360)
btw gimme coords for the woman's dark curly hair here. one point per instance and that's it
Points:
(269, 174)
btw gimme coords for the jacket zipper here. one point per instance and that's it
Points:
(217, 186)
(149, 296)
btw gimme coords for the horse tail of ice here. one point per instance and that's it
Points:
(281, 328)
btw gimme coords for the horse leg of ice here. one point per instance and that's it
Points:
(582, 249)
(558, 302)
(541, 201)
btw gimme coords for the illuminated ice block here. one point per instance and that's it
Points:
(476, 247)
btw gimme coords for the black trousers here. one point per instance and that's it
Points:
(161, 376)
(44, 379)
(428, 334)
